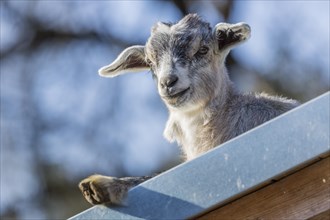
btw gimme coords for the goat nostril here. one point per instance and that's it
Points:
(170, 81)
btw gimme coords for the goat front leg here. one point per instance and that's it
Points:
(98, 189)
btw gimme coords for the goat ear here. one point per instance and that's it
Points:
(131, 59)
(231, 35)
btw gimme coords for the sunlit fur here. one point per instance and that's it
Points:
(205, 110)
(212, 111)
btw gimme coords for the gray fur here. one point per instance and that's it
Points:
(187, 60)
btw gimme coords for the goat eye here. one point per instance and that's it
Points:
(203, 50)
(149, 62)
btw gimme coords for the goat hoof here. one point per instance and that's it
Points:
(99, 189)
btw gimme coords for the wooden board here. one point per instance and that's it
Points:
(302, 195)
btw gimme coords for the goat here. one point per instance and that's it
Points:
(187, 61)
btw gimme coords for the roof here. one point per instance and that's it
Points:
(231, 170)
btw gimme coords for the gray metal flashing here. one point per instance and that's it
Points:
(233, 168)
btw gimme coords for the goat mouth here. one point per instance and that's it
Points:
(178, 94)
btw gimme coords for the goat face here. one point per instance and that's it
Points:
(180, 57)
(185, 59)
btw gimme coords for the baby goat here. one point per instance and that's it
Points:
(187, 60)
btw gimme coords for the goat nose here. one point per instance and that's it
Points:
(169, 81)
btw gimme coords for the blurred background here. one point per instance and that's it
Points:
(61, 122)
